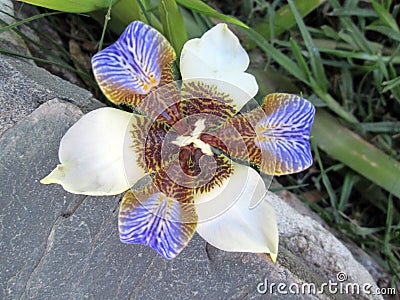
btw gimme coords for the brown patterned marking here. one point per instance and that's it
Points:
(171, 187)
(200, 98)
(199, 171)
(163, 105)
(130, 201)
(140, 127)
(237, 138)
(249, 130)
(133, 99)
(223, 171)
(152, 185)
(149, 138)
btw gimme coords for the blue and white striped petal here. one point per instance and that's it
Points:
(156, 221)
(283, 134)
(128, 69)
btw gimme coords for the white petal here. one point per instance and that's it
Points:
(229, 221)
(218, 48)
(92, 155)
(219, 55)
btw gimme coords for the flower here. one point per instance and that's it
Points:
(183, 155)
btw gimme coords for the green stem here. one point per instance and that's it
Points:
(106, 20)
(335, 106)
(123, 13)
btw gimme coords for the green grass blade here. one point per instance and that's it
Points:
(284, 18)
(54, 54)
(350, 12)
(349, 148)
(62, 65)
(384, 16)
(389, 222)
(126, 11)
(27, 20)
(382, 127)
(326, 181)
(300, 59)
(201, 7)
(360, 55)
(354, 33)
(173, 24)
(390, 33)
(276, 55)
(349, 181)
(390, 84)
(106, 20)
(315, 58)
(292, 68)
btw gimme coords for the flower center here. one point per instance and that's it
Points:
(193, 138)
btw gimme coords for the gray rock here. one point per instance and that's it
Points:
(28, 212)
(6, 16)
(310, 241)
(23, 87)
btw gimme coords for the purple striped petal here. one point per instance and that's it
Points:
(134, 64)
(156, 221)
(283, 135)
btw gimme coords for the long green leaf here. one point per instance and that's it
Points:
(75, 6)
(349, 148)
(349, 12)
(201, 7)
(389, 32)
(385, 17)
(276, 55)
(174, 27)
(382, 127)
(291, 67)
(284, 18)
(300, 59)
(326, 182)
(315, 58)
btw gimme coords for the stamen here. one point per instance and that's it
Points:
(199, 128)
(193, 138)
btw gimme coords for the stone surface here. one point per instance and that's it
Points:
(24, 87)
(6, 16)
(27, 212)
